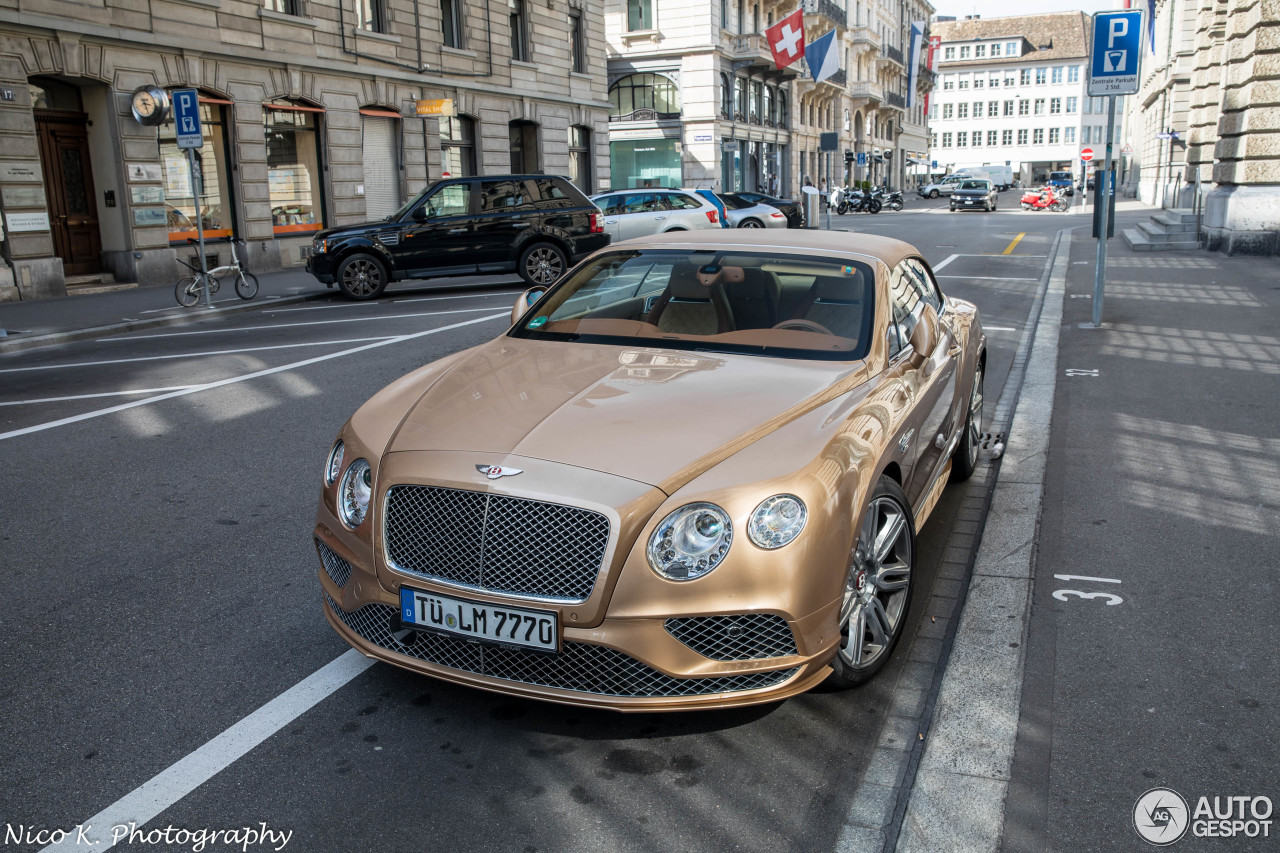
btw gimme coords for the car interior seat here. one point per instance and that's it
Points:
(836, 303)
(689, 307)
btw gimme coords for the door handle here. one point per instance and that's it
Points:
(611, 222)
(659, 218)
(519, 224)
(458, 230)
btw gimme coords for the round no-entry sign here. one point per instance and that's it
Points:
(1086, 154)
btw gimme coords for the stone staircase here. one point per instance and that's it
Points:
(1173, 230)
(103, 282)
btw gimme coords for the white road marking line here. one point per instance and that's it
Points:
(937, 267)
(91, 396)
(193, 354)
(986, 277)
(373, 304)
(234, 379)
(1086, 578)
(144, 803)
(998, 329)
(292, 325)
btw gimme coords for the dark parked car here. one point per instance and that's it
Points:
(535, 225)
(972, 194)
(791, 209)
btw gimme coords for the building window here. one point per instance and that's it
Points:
(1011, 48)
(1042, 74)
(947, 111)
(977, 109)
(1006, 137)
(1071, 105)
(639, 15)
(995, 49)
(977, 139)
(946, 140)
(978, 82)
(964, 51)
(1024, 107)
(1055, 106)
(962, 139)
(1008, 108)
(948, 54)
(1009, 81)
(523, 138)
(294, 167)
(1084, 135)
(458, 146)
(1073, 74)
(453, 24)
(1039, 106)
(371, 15)
(284, 7)
(519, 30)
(948, 82)
(1056, 77)
(993, 109)
(580, 157)
(1024, 76)
(1069, 135)
(577, 41)
(994, 83)
(1022, 136)
(1054, 136)
(740, 100)
(215, 190)
(1037, 136)
(962, 111)
(784, 117)
(771, 107)
(963, 81)
(980, 51)
(726, 97)
(757, 102)
(644, 97)
(933, 139)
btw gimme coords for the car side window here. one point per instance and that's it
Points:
(928, 286)
(610, 204)
(905, 297)
(502, 196)
(450, 200)
(635, 203)
(682, 202)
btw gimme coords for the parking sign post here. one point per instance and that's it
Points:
(1113, 71)
(186, 117)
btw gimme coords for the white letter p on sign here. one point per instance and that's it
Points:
(1116, 28)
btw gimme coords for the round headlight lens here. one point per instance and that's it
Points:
(777, 521)
(690, 542)
(334, 465)
(353, 496)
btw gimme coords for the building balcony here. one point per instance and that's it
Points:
(865, 37)
(826, 9)
(893, 99)
(926, 79)
(645, 115)
(892, 54)
(865, 89)
(754, 47)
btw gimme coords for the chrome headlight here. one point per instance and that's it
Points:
(690, 542)
(334, 466)
(354, 494)
(777, 521)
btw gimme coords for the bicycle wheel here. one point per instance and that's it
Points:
(188, 291)
(246, 285)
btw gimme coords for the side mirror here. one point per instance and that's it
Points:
(924, 337)
(420, 214)
(525, 301)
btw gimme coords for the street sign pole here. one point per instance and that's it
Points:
(186, 117)
(1104, 199)
(197, 191)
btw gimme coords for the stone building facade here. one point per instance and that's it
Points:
(1214, 80)
(310, 112)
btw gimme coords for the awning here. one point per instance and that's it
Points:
(293, 108)
(205, 99)
(380, 113)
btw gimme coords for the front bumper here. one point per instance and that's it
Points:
(323, 267)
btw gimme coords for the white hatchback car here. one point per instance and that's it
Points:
(639, 213)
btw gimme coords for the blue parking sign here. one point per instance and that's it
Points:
(186, 115)
(862, 158)
(1117, 50)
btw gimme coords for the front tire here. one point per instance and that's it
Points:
(933, 193)
(876, 205)
(877, 586)
(542, 264)
(362, 277)
(187, 291)
(246, 285)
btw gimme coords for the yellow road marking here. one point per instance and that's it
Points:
(1009, 249)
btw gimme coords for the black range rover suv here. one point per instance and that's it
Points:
(536, 225)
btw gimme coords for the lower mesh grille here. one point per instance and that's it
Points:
(582, 667)
(338, 569)
(744, 636)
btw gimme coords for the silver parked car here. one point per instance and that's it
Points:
(750, 214)
(639, 213)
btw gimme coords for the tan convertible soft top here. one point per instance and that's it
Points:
(886, 249)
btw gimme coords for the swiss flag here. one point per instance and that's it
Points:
(786, 39)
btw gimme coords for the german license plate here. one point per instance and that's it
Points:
(512, 626)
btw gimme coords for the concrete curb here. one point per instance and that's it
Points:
(957, 800)
(12, 344)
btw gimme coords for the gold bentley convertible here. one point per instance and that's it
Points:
(689, 476)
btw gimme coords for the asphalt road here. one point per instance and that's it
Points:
(162, 587)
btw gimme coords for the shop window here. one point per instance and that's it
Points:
(580, 157)
(294, 167)
(519, 18)
(453, 24)
(523, 137)
(645, 163)
(214, 205)
(458, 146)
(371, 15)
(644, 97)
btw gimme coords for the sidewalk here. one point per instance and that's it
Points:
(1123, 628)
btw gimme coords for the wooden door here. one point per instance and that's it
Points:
(68, 174)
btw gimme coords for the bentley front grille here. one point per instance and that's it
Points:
(496, 543)
(338, 569)
(744, 636)
(581, 667)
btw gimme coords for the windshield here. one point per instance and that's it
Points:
(411, 203)
(795, 306)
(974, 185)
(1059, 176)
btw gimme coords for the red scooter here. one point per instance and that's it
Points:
(1042, 199)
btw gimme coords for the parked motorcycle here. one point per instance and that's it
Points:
(893, 200)
(1043, 199)
(864, 202)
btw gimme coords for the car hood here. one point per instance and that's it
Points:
(655, 416)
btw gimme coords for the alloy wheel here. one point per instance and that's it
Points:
(361, 277)
(877, 584)
(974, 426)
(544, 265)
